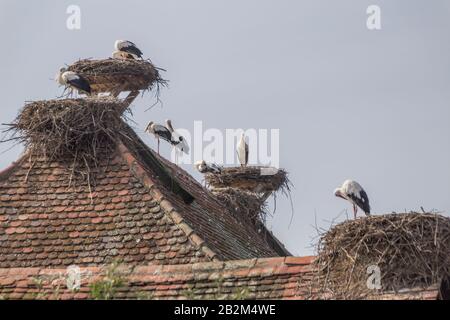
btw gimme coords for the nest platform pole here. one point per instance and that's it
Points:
(116, 91)
(266, 196)
(129, 99)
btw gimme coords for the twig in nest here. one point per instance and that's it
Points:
(411, 250)
(253, 181)
(74, 132)
(114, 75)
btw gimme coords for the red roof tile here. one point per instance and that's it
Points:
(251, 279)
(272, 278)
(133, 212)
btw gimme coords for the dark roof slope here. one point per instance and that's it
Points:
(141, 209)
(207, 200)
(228, 236)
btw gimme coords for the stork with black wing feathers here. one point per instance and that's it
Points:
(355, 194)
(160, 132)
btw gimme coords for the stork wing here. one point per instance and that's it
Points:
(130, 47)
(246, 153)
(80, 83)
(130, 43)
(163, 133)
(215, 168)
(361, 201)
(181, 143)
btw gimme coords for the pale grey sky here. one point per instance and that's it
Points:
(349, 102)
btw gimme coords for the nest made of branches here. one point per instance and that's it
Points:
(243, 203)
(410, 250)
(254, 179)
(116, 75)
(76, 132)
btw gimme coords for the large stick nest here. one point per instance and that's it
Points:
(254, 179)
(110, 75)
(243, 203)
(411, 250)
(72, 131)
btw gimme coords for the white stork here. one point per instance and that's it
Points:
(242, 151)
(353, 192)
(178, 140)
(160, 132)
(129, 48)
(72, 80)
(204, 167)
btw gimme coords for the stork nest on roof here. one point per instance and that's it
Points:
(410, 249)
(76, 132)
(245, 189)
(115, 75)
(254, 179)
(243, 203)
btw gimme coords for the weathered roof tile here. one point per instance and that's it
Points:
(272, 278)
(67, 224)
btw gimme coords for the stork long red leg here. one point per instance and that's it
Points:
(355, 210)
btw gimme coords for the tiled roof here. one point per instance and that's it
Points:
(219, 227)
(131, 213)
(263, 278)
(45, 223)
(282, 277)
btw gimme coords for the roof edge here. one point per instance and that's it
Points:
(164, 276)
(6, 172)
(431, 292)
(273, 241)
(279, 265)
(139, 172)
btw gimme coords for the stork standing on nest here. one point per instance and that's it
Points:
(204, 167)
(72, 80)
(353, 192)
(126, 50)
(160, 132)
(242, 151)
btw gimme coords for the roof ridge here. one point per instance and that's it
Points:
(140, 173)
(277, 263)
